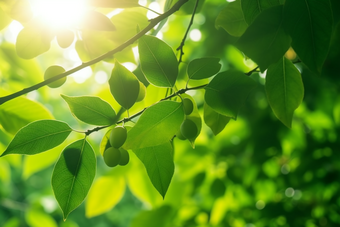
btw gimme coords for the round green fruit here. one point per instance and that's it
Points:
(112, 156)
(188, 106)
(124, 157)
(53, 71)
(189, 129)
(118, 136)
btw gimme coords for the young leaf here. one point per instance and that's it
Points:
(158, 61)
(215, 121)
(202, 68)
(158, 161)
(227, 91)
(309, 23)
(37, 137)
(73, 175)
(105, 193)
(91, 110)
(251, 9)
(157, 125)
(284, 89)
(124, 86)
(97, 21)
(231, 19)
(265, 41)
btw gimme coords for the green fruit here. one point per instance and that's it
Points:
(124, 157)
(118, 136)
(188, 106)
(65, 38)
(180, 136)
(111, 157)
(142, 92)
(53, 71)
(189, 129)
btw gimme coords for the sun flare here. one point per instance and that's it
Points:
(60, 14)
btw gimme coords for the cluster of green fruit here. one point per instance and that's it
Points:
(115, 155)
(189, 129)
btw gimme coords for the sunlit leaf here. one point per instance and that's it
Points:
(202, 68)
(21, 11)
(231, 19)
(65, 38)
(124, 86)
(309, 23)
(105, 193)
(158, 161)
(114, 3)
(265, 40)
(158, 61)
(97, 21)
(157, 125)
(91, 110)
(215, 121)
(284, 89)
(227, 92)
(38, 136)
(4, 19)
(37, 218)
(18, 112)
(73, 175)
(252, 8)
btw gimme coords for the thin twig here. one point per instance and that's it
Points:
(152, 24)
(180, 48)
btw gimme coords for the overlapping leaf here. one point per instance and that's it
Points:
(265, 40)
(157, 125)
(202, 68)
(38, 136)
(309, 23)
(73, 175)
(215, 121)
(158, 61)
(252, 8)
(284, 89)
(227, 92)
(91, 110)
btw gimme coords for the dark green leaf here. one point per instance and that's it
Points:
(124, 86)
(97, 21)
(231, 19)
(73, 175)
(215, 121)
(252, 8)
(159, 164)
(158, 61)
(202, 68)
(309, 23)
(37, 137)
(157, 125)
(227, 92)
(91, 110)
(265, 41)
(284, 89)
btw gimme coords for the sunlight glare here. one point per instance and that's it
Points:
(60, 13)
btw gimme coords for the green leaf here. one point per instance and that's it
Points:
(252, 8)
(158, 61)
(231, 19)
(202, 68)
(33, 40)
(91, 110)
(265, 41)
(105, 193)
(159, 217)
(20, 111)
(37, 218)
(284, 89)
(4, 19)
(21, 11)
(114, 3)
(227, 92)
(157, 125)
(97, 21)
(215, 121)
(73, 175)
(37, 137)
(124, 86)
(159, 164)
(309, 23)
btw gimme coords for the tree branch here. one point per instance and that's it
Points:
(180, 48)
(152, 24)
